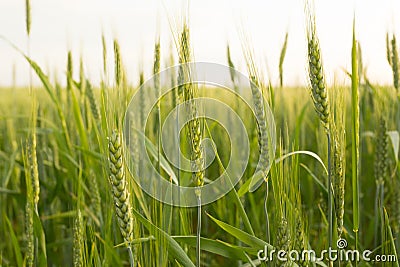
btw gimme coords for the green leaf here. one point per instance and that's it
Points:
(215, 246)
(244, 188)
(154, 153)
(109, 250)
(299, 122)
(252, 184)
(235, 198)
(173, 247)
(41, 240)
(256, 181)
(304, 152)
(250, 240)
(14, 241)
(394, 137)
(50, 90)
(315, 178)
(79, 121)
(392, 242)
(8, 191)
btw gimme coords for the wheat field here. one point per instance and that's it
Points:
(83, 167)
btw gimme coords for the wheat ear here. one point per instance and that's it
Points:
(316, 74)
(119, 186)
(118, 64)
(33, 168)
(30, 245)
(338, 176)
(92, 101)
(283, 237)
(28, 17)
(78, 240)
(395, 63)
(194, 125)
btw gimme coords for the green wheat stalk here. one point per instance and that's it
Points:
(355, 135)
(195, 131)
(319, 96)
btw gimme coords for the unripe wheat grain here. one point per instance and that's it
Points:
(119, 186)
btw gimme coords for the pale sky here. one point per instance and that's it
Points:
(76, 25)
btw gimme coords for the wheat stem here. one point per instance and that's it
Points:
(319, 96)
(355, 136)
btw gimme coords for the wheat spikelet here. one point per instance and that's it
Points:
(104, 46)
(156, 77)
(95, 198)
(28, 17)
(184, 54)
(174, 91)
(360, 62)
(300, 240)
(230, 64)
(381, 170)
(30, 207)
(395, 205)
(134, 148)
(30, 246)
(82, 80)
(69, 71)
(180, 80)
(118, 64)
(157, 94)
(195, 135)
(78, 240)
(338, 150)
(184, 57)
(119, 186)
(33, 168)
(316, 73)
(70, 81)
(283, 237)
(388, 50)
(338, 176)
(262, 124)
(194, 125)
(92, 101)
(282, 58)
(381, 153)
(142, 99)
(395, 63)
(259, 110)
